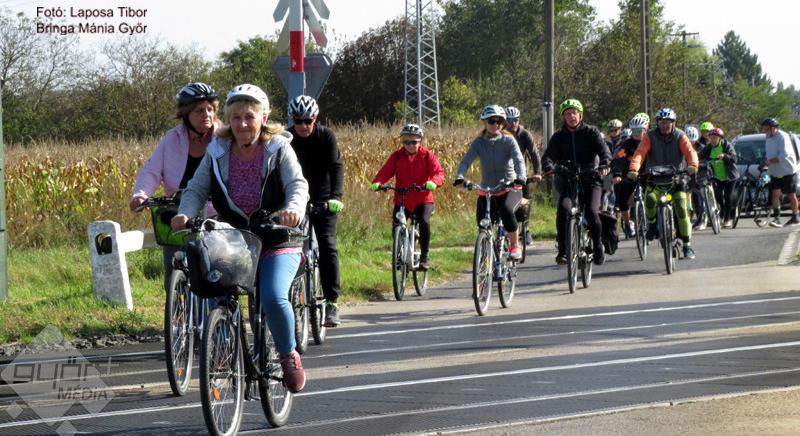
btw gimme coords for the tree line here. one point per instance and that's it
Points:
(488, 51)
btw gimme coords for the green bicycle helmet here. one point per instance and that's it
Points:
(161, 226)
(570, 103)
(706, 126)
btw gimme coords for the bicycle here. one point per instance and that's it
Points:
(665, 180)
(580, 247)
(640, 221)
(708, 201)
(306, 293)
(406, 249)
(754, 197)
(229, 364)
(492, 255)
(183, 311)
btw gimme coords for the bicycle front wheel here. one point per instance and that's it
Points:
(318, 310)
(740, 206)
(301, 315)
(399, 266)
(711, 208)
(587, 250)
(667, 234)
(640, 221)
(221, 374)
(508, 284)
(276, 400)
(178, 333)
(482, 272)
(573, 247)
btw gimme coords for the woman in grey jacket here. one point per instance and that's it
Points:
(250, 170)
(501, 160)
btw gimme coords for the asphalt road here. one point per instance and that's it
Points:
(723, 324)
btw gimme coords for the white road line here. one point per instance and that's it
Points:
(563, 317)
(790, 248)
(524, 400)
(470, 377)
(569, 333)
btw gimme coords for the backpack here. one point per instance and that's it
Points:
(609, 235)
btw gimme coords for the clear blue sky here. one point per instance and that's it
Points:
(768, 27)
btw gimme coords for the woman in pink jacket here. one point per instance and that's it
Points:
(180, 151)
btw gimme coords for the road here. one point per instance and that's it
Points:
(723, 325)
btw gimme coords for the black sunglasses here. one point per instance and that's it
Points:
(303, 121)
(495, 121)
(411, 141)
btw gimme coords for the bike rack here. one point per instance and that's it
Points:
(107, 248)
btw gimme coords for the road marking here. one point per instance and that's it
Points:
(524, 400)
(563, 317)
(569, 333)
(376, 386)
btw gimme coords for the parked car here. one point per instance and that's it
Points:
(751, 151)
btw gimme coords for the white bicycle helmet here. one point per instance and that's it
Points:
(248, 92)
(666, 114)
(639, 121)
(692, 133)
(626, 133)
(303, 106)
(512, 113)
(614, 124)
(412, 129)
(493, 110)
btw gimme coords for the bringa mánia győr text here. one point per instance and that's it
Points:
(89, 26)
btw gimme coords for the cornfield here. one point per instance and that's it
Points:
(54, 190)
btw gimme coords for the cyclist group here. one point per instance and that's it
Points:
(244, 169)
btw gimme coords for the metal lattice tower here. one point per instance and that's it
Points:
(421, 79)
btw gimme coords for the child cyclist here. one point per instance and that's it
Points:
(413, 164)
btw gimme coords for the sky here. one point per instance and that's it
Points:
(768, 29)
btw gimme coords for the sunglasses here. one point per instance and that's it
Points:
(303, 121)
(411, 142)
(498, 121)
(512, 120)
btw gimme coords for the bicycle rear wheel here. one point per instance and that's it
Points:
(587, 251)
(222, 374)
(482, 272)
(572, 252)
(178, 333)
(740, 208)
(276, 400)
(420, 276)
(399, 267)
(507, 286)
(711, 209)
(317, 313)
(301, 315)
(640, 221)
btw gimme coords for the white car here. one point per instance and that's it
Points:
(751, 150)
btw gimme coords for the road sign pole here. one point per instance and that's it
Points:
(297, 75)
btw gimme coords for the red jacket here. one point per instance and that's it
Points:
(410, 169)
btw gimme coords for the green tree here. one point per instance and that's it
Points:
(458, 102)
(738, 62)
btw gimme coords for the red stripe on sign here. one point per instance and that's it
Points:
(296, 51)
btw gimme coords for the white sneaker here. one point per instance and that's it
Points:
(728, 224)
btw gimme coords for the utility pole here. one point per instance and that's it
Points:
(646, 77)
(548, 105)
(421, 98)
(3, 247)
(683, 35)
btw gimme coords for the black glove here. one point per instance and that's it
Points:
(519, 182)
(458, 182)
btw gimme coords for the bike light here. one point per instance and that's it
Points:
(486, 222)
(213, 276)
(669, 197)
(574, 211)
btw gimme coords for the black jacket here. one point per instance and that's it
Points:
(622, 157)
(321, 161)
(584, 147)
(528, 149)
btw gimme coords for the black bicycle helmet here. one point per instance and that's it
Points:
(770, 122)
(194, 92)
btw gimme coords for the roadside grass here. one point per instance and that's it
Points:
(53, 286)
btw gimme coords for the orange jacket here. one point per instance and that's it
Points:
(643, 150)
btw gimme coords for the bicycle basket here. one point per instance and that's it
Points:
(161, 216)
(661, 175)
(223, 262)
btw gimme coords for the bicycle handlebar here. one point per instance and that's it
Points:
(167, 200)
(500, 187)
(413, 187)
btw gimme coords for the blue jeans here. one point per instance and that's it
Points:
(275, 275)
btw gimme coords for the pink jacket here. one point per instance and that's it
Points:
(166, 165)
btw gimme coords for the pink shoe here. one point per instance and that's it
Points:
(293, 375)
(515, 252)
